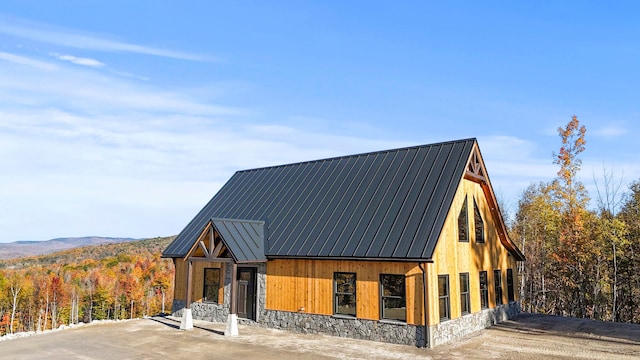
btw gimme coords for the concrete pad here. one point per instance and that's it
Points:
(526, 337)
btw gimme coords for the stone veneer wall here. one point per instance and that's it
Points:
(383, 331)
(450, 330)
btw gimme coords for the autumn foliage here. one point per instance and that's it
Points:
(115, 281)
(581, 262)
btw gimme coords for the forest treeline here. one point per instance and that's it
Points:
(583, 254)
(113, 281)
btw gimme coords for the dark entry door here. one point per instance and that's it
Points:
(247, 293)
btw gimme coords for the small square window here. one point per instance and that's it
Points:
(510, 294)
(463, 223)
(484, 290)
(392, 297)
(344, 290)
(465, 302)
(443, 297)
(497, 277)
(479, 224)
(211, 285)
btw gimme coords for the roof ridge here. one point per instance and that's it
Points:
(239, 220)
(360, 154)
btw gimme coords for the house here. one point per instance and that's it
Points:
(403, 246)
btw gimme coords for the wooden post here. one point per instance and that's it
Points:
(187, 319)
(189, 283)
(232, 319)
(234, 290)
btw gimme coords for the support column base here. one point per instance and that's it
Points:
(232, 325)
(187, 320)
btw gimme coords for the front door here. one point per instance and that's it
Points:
(246, 293)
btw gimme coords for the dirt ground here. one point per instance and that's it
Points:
(525, 337)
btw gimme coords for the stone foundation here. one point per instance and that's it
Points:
(382, 331)
(447, 331)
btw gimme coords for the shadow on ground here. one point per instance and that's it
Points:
(539, 324)
(176, 324)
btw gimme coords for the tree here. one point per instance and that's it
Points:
(612, 228)
(536, 226)
(629, 264)
(15, 287)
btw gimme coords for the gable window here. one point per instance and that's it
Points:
(479, 224)
(443, 297)
(211, 285)
(463, 223)
(510, 294)
(484, 290)
(497, 278)
(392, 297)
(465, 306)
(344, 290)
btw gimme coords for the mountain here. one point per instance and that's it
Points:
(30, 248)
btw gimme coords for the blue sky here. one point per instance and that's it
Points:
(123, 118)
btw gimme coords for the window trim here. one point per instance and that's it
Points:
(445, 297)
(478, 223)
(484, 290)
(205, 285)
(510, 293)
(403, 297)
(336, 293)
(465, 296)
(463, 227)
(497, 281)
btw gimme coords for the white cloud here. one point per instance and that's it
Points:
(78, 60)
(88, 91)
(610, 132)
(21, 60)
(75, 39)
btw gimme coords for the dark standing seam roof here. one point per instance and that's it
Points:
(244, 239)
(382, 205)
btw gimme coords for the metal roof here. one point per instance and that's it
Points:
(381, 205)
(244, 238)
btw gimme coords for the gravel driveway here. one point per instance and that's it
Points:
(526, 337)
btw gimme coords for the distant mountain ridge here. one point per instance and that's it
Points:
(18, 249)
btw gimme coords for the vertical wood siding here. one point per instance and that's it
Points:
(452, 257)
(197, 287)
(307, 286)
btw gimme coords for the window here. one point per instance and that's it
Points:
(344, 289)
(211, 285)
(510, 294)
(484, 290)
(443, 297)
(463, 223)
(392, 297)
(465, 302)
(479, 224)
(497, 277)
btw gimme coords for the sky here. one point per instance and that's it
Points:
(123, 118)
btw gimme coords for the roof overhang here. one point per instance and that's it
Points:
(228, 240)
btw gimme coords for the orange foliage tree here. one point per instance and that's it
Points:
(112, 281)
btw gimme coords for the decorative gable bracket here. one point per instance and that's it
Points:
(209, 247)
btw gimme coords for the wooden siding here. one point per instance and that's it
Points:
(307, 286)
(452, 257)
(197, 287)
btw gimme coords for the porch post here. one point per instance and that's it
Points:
(187, 319)
(232, 319)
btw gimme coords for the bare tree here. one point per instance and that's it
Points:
(610, 198)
